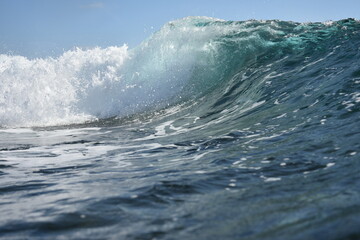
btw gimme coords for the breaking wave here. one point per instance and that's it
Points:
(221, 65)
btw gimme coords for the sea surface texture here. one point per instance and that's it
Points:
(209, 129)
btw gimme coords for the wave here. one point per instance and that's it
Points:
(224, 66)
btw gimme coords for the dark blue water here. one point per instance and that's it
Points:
(207, 130)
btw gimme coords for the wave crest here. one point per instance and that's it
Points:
(186, 59)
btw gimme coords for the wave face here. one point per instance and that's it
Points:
(185, 60)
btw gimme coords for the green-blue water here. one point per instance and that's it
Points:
(207, 130)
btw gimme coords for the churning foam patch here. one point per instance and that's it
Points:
(52, 91)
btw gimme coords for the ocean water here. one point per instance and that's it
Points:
(209, 129)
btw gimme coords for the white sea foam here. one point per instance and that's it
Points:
(58, 90)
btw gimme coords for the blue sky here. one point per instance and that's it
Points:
(39, 28)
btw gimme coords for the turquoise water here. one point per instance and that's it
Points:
(207, 130)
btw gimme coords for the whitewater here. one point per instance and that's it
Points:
(209, 129)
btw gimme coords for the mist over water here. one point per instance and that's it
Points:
(209, 129)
